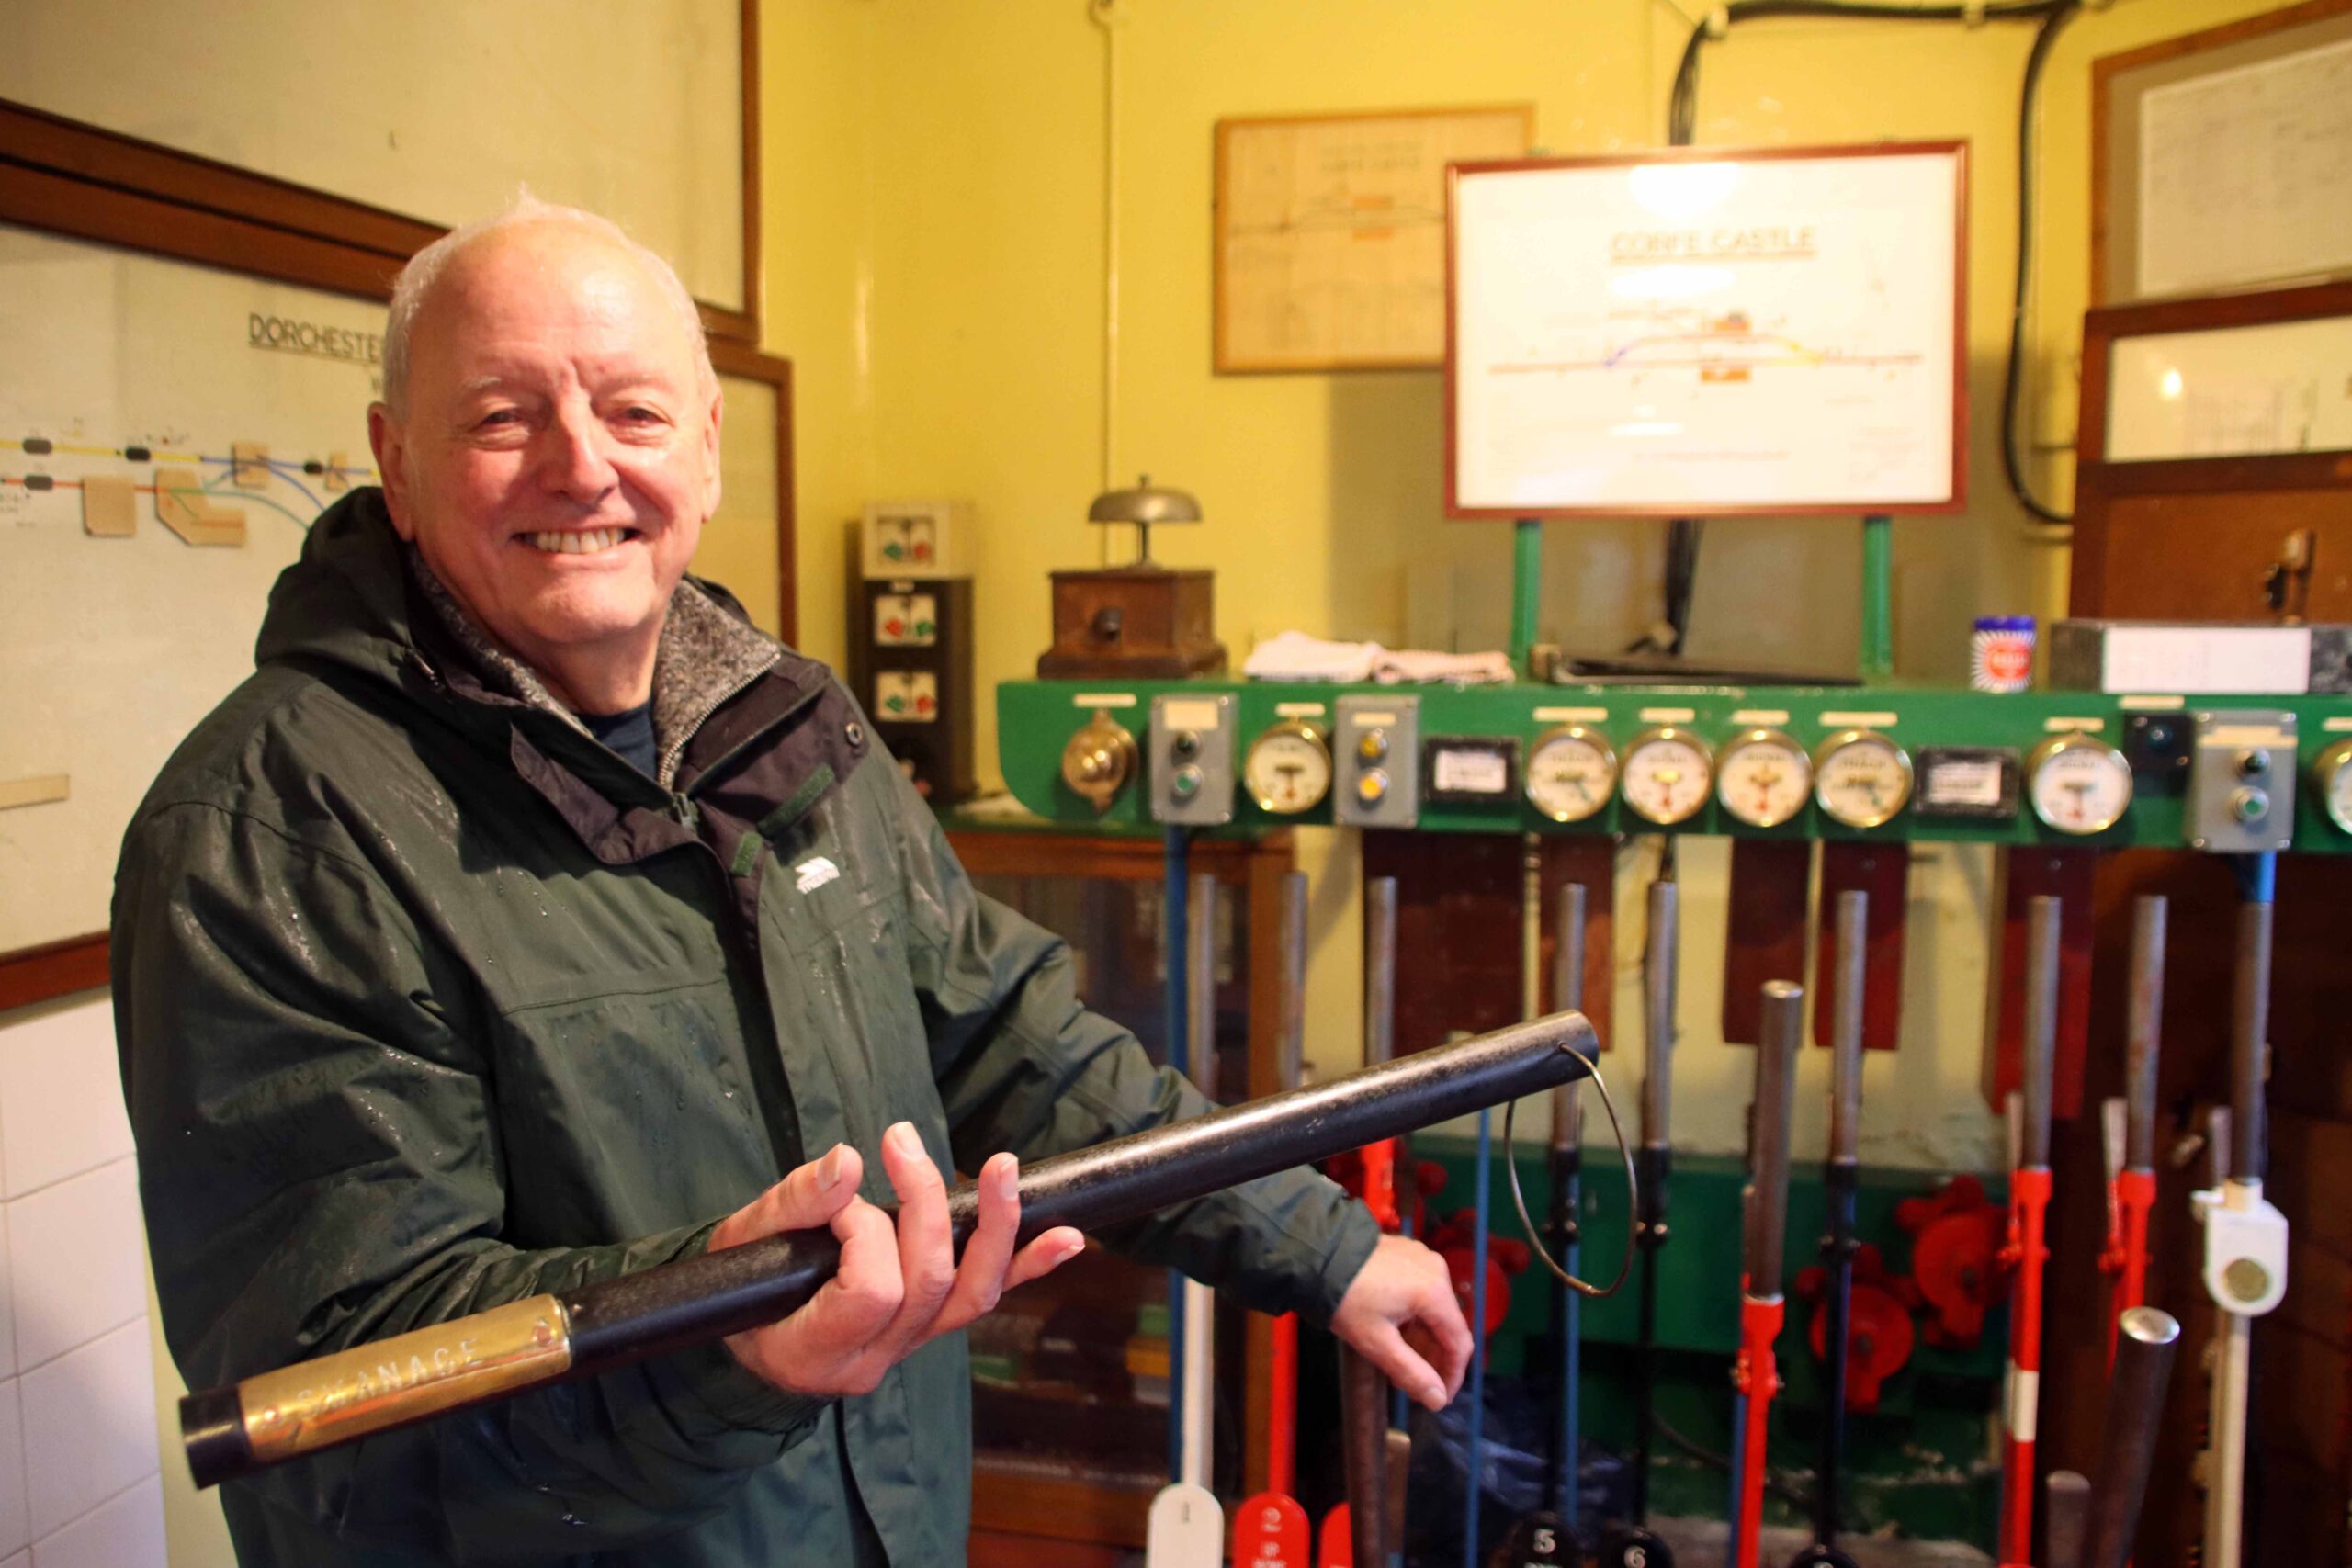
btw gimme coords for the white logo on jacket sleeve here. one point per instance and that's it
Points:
(814, 872)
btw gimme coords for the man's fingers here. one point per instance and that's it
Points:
(1381, 1344)
(1438, 1318)
(926, 1247)
(820, 1347)
(979, 1279)
(808, 1196)
(1045, 1255)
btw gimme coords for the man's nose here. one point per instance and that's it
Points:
(575, 463)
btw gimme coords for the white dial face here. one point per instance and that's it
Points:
(1765, 778)
(1288, 770)
(2335, 784)
(1667, 773)
(2079, 785)
(1570, 774)
(1862, 779)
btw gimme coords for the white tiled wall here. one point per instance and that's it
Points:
(79, 1478)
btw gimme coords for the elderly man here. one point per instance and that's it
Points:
(528, 919)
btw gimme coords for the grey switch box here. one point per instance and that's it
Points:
(2241, 781)
(1376, 761)
(1190, 763)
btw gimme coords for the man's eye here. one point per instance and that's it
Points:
(498, 417)
(640, 415)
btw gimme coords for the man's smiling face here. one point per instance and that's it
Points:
(558, 454)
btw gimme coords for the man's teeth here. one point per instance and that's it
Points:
(585, 543)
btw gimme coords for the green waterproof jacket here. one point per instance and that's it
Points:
(428, 1002)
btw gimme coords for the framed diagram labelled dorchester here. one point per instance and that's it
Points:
(1330, 234)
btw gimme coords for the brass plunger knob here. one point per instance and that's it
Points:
(1099, 759)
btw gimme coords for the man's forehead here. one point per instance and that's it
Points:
(516, 288)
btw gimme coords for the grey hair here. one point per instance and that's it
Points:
(414, 285)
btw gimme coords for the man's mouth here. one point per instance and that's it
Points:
(581, 541)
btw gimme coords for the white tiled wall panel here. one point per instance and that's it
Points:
(126, 1532)
(79, 1485)
(95, 1410)
(15, 1526)
(75, 1260)
(60, 1097)
(7, 1315)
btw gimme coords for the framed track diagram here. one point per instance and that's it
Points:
(1708, 332)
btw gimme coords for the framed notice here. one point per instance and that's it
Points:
(2222, 159)
(1330, 234)
(1708, 334)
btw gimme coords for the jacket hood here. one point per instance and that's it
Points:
(361, 598)
(348, 598)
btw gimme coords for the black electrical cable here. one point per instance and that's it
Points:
(2012, 464)
(1682, 114)
(1681, 573)
(1683, 540)
(1683, 104)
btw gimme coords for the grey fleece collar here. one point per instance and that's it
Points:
(707, 655)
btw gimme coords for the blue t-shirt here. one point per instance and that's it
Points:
(628, 734)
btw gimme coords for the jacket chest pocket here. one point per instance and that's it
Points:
(848, 1020)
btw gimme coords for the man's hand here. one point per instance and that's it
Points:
(1400, 1314)
(899, 1286)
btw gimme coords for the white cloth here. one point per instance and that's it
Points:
(1294, 656)
(1394, 665)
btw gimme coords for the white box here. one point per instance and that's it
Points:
(76, 1261)
(906, 696)
(906, 620)
(917, 538)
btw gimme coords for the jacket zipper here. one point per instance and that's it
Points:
(676, 749)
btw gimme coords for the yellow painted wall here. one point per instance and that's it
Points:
(958, 233)
(818, 199)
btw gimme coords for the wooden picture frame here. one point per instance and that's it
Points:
(2104, 575)
(80, 180)
(2120, 81)
(1955, 500)
(1272, 143)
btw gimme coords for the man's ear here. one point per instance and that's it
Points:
(710, 465)
(390, 443)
